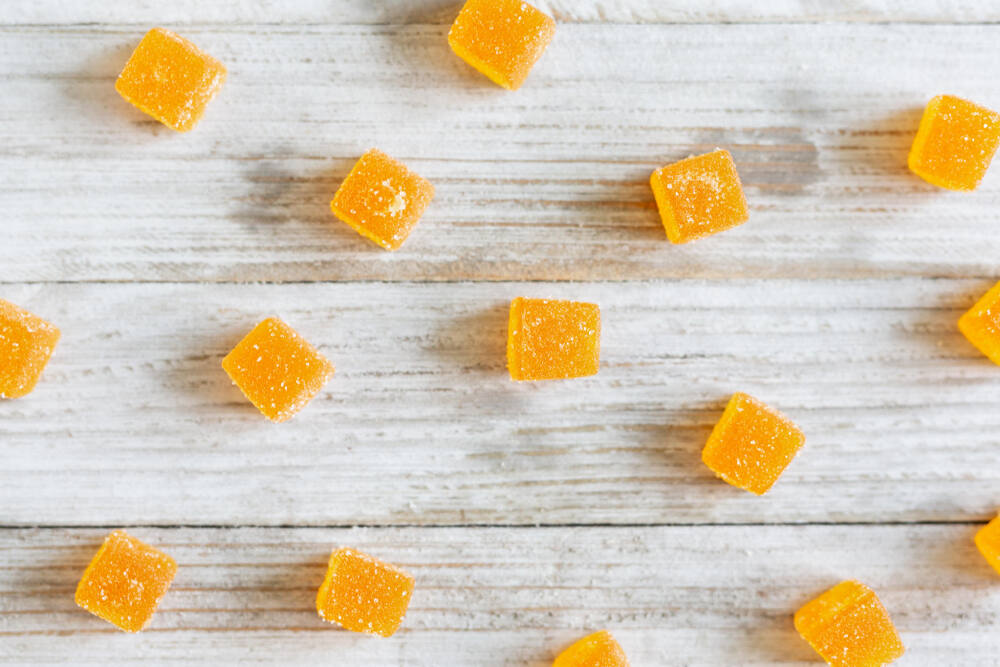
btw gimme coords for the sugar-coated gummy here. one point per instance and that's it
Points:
(549, 339)
(26, 345)
(170, 79)
(363, 594)
(955, 143)
(597, 650)
(981, 324)
(752, 444)
(125, 581)
(848, 626)
(277, 369)
(699, 196)
(503, 39)
(382, 199)
(988, 542)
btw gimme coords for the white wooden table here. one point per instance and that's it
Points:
(529, 515)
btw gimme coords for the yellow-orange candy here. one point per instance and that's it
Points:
(382, 199)
(503, 39)
(849, 627)
(981, 325)
(26, 344)
(597, 650)
(699, 196)
(364, 594)
(171, 79)
(553, 340)
(752, 444)
(988, 543)
(277, 369)
(955, 143)
(125, 581)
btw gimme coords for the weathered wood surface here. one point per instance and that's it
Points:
(136, 422)
(496, 596)
(550, 183)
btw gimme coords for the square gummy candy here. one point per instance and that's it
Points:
(597, 650)
(125, 581)
(751, 445)
(503, 39)
(26, 344)
(553, 340)
(364, 594)
(699, 196)
(988, 543)
(171, 79)
(955, 143)
(382, 199)
(277, 369)
(849, 627)
(981, 325)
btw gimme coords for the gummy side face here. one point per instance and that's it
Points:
(364, 594)
(597, 650)
(26, 345)
(988, 542)
(125, 581)
(848, 626)
(553, 340)
(699, 196)
(955, 143)
(170, 79)
(751, 445)
(981, 324)
(382, 199)
(503, 39)
(277, 369)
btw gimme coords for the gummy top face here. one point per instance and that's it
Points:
(171, 79)
(125, 581)
(849, 627)
(955, 143)
(981, 325)
(382, 199)
(26, 344)
(699, 196)
(553, 340)
(988, 543)
(597, 650)
(277, 369)
(503, 39)
(752, 444)
(364, 594)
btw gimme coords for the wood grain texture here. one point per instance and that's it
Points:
(550, 183)
(135, 419)
(510, 596)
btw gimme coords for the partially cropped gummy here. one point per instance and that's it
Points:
(955, 143)
(26, 345)
(988, 542)
(597, 650)
(981, 324)
(364, 594)
(549, 339)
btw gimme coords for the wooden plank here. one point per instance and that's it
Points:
(135, 422)
(549, 183)
(291, 12)
(672, 595)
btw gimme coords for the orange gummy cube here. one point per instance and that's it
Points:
(955, 143)
(981, 325)
(382, 199)
(699, 196)
(364, 594)
(849, 627)
(503, 39)
(277, 369)
(171, 79)
(752, 444)
(988, 543)
(597, 650)
(553, 340)
(26, 344)
(125, 581)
